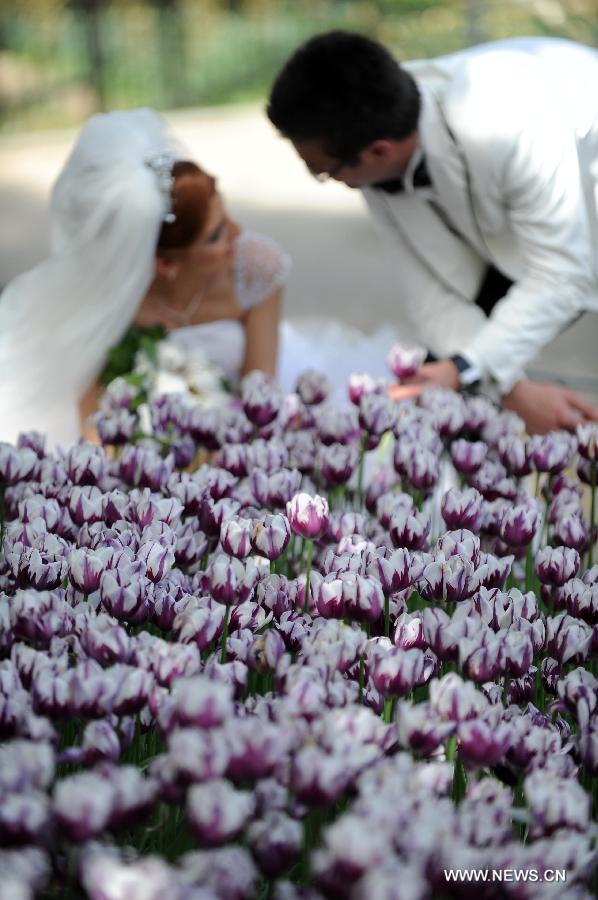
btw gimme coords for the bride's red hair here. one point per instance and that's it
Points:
(191, 194)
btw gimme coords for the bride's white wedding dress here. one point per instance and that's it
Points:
(322, 343)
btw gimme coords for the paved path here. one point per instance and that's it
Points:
(340, 268)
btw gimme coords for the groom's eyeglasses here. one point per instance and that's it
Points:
(331, 173)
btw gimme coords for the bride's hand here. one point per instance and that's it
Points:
(443, 373)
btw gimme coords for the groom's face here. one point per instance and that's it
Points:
(355, 173)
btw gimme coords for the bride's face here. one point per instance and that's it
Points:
(213, 250)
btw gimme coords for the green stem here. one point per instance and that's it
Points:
(361, 676)
(529, 568)
(362, 449)
(389, 708)
(310, 550)
(224, 635)
(459, 779)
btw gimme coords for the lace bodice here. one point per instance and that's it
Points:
(259, 268)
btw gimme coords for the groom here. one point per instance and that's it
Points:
(483, 169)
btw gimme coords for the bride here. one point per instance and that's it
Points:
(141, 234)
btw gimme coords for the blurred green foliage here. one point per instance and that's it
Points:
(60, 60)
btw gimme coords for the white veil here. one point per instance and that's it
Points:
(58, 320)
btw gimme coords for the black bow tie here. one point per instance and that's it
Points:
(421, 179)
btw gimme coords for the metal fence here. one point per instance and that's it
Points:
(60, 61)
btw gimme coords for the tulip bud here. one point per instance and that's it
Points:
(556, 565)
(468, 456)
(271, 535)
(308, 516)
(217, 812)
(313, 387)
(404, 361)
(462, 509)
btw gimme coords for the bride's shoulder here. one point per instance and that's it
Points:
(261, 266)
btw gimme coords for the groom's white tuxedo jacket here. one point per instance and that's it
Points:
(510, 136)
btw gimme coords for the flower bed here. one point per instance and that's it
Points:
(337, 654)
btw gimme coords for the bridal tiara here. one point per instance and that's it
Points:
(161, 164)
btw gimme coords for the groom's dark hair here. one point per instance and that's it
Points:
(345, 90)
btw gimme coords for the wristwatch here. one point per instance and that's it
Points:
(469, 375)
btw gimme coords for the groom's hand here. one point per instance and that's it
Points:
(443, 373)
(548, 407)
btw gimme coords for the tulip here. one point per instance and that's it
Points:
(483, 741)
(271, 535)
(269, 456)
(519, 653)
(116, 427)
(587, 440)
(462, 509)
(318, 778)
(404, 361)
(398, 671)
(23, 818)
(144, 467)
(17, 464)
(492, 482)
(36, 569)
(337, 463)
(555, 803)
(579, 692)
(105, 642)
(514, 453)
(360, 384)
(567, 639)
(191, 544)
(217, 812)
(225, 872)
(86, 504)
(550, 673)
(235, 536)
(254, 751)
(556, 565)
(200, 702)
(215, 513)
(409, 530)
(552, 452)
(581, 600)
(409, 632)
(308, 516)
(377, 414)
(261, 398)
(417, 464)
(330, 599)
(449, 580)
(461, 543)
(124, 594)
(468, 456)
(229, 580)
(86, 463)
(482, 658)
(85, 568)
(275, 842)
(518, 525)
(82, 805)
(197, 756)
(522, 690)
(418, 728)
(396, 570)
(313, 387)
(572, 531)
(363, 597)
(587, 747)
